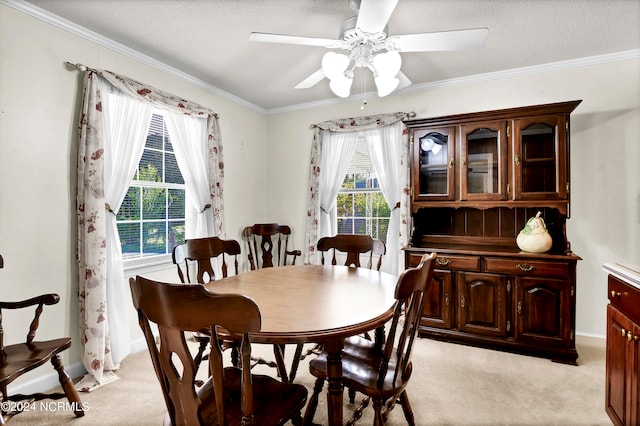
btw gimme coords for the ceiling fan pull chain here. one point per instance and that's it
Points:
(364, 91)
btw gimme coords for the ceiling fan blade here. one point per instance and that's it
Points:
(311, 81)
(404, 81)
(438, 41)
(289, 39)
(374, 15)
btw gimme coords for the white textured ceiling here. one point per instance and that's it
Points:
(208, 39)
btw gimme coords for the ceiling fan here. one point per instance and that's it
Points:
(368, 45)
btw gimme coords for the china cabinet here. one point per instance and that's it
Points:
(623, 344)
(475, 181)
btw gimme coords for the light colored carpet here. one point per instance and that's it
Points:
(451, 385)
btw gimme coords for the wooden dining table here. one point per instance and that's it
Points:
(316, 304)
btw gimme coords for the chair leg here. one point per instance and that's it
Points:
(406, 408)
(352, 396)
(378, 419)
(296, 361)
(278, 351)
(67, 386)
(235, 356)
(199, 356)
(310, 412)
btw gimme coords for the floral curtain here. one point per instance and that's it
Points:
(359, 124)
(97, 284)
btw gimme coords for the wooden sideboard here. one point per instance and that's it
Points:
(623, 344)
(475, 181)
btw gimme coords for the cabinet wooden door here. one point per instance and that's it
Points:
(438, 306)
(483, 161)
(540, 158)
(433, 176)
(622, 388)
(543, 311)
(482, 303)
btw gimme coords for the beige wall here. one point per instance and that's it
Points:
(266, 160)
(605, 153)
(38, 108)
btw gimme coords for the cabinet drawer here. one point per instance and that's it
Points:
(625, 297)
(446, 261)
(526, 267)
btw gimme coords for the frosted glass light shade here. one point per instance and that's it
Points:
(334, 65)
(386, 85)
(387, 64)
(341, 86)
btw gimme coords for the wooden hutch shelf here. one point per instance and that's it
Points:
(475, 181)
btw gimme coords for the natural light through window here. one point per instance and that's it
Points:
(362, 208)
(152, 216)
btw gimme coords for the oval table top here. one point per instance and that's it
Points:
(314, 303)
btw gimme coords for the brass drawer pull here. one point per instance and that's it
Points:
(615, 293)
(442, 262)
(629, 335)
(525, 267)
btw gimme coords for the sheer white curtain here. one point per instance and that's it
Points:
(104, 173)
(336, 152)
(327, 171)
(386, 148)
(189, 140)
(126, 126)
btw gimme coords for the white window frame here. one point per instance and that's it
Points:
(356, 161)
(152, 263)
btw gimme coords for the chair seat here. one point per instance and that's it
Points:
(273, 406)
(23, 357)
(360, 367)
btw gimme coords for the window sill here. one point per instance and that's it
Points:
(146, 266)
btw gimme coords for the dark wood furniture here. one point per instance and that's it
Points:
(201, 252)
(382, 374)
(314, 304)
(197, 256)
(20, 358)
(475, 181)
(354, 246)
(231, 395)
(623, 344)
(357, 250)
(268, 245)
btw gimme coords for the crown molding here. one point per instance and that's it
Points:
(66, 25)
(515, 72)
(101, 40)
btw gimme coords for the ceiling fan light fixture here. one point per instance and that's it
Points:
(386, 85)
(334, 65)
(387, 64)
(341, 86)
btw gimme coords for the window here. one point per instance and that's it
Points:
(151, 220)
(362, 208)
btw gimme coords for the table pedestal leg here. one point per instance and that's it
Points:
(334, 379)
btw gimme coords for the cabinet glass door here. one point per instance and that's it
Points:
(433, 155)
(482, 168)
(539, 152)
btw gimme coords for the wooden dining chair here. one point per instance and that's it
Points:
(356, 250)
(20, 358)
(353, 247)
(198, 257)
(268, 245)
(382, 373)
(231, 395)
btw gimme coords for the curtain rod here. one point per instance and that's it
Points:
(406, 115)
(79, 66)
